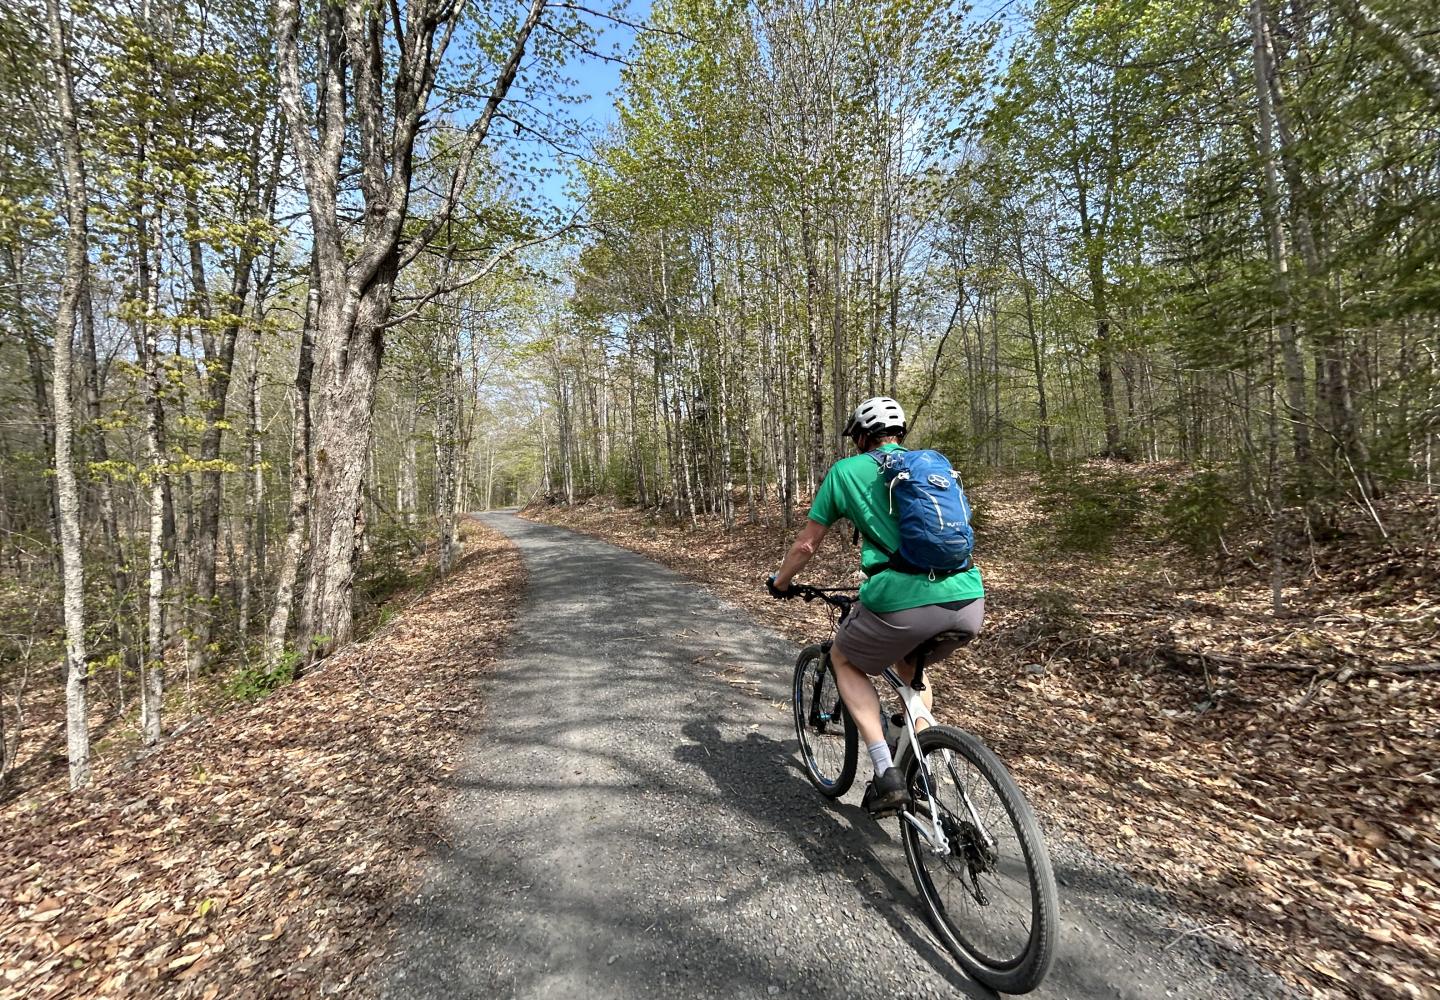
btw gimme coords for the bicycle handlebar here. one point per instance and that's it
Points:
(835, 597)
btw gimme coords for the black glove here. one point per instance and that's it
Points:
(776, 592)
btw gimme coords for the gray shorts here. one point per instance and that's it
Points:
(873, 642)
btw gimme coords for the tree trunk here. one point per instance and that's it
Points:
(77, 726)
(1037, 354)
(220, 330)
(1333, 383)
(357, 271)
(1275, 239)
(346, 367)
(40, 390)
(297, 520)
(253, 538)
(407, 492)
(812, 343)
(446, 473)
(109, 521)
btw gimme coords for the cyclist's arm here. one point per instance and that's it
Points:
(800, 553)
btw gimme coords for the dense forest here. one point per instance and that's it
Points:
(1200, 233)
(283, 295)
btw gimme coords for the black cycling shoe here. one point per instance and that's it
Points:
(886, 795)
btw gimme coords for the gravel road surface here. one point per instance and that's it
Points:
(631, 821)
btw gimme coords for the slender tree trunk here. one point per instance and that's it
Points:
(1333, 385)
(77, 726)
(447, 473)
(251, 569)
(221, 321)
(812, 341)
(152, 685)
(407, 498)
(1275, 239)
(41, 393)
(1037, 354)
(1104, 366)
(490, 474)
(109, 520)
(297, 520)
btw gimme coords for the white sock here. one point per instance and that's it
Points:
(880, 757)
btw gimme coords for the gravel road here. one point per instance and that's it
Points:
(631, 821)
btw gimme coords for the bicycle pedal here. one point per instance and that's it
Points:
(887, 812)
(883, 808)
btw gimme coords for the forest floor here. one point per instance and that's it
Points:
(1277, 776)
(259, 853)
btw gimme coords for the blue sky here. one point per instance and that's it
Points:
(598, 80)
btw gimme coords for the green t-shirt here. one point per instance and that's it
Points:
(855, 489)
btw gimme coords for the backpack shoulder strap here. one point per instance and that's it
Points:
(878, 457)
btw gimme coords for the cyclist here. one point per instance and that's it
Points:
(897, 610)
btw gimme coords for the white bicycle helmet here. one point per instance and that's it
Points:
(876, 414)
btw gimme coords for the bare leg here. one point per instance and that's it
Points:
(858, 693)
(906, 670)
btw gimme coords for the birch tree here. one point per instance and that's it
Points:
(77, 672)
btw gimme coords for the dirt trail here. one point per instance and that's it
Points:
(631, 822)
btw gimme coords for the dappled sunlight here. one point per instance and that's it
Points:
(1131, 697)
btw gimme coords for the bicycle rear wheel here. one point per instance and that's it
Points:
(828, 739)
(992, 897)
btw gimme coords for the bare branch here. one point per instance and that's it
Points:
(496, 259)
(478, 132)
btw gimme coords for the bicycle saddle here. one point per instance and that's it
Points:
(942, 638)
(922, 652)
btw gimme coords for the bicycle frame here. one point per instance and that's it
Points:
(932, 831)
(915, 709)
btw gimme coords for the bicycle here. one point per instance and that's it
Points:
(953, 844)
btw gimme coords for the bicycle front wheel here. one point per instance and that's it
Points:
(829, 742)
(991, 896)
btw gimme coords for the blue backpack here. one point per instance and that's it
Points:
(926, 496)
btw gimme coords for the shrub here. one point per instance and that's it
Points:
(1200, 511)
(1086, 508)
(258, 680)
(389, 567)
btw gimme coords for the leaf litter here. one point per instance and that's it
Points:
(260, 855)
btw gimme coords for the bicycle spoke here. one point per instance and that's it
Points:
(981, 888)
(826, 736)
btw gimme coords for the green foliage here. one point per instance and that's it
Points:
(390, 566)
(1200, 511)
(1088, 507)
(259, 679)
